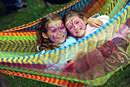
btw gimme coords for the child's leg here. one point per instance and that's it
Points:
(118, 58)
(91, 64)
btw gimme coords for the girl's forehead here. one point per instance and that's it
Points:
(72, 19)
(55, 23)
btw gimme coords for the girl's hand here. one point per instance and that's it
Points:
(94, 22)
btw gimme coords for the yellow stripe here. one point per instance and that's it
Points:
(52, 56)
(95, 41)
(56, 56)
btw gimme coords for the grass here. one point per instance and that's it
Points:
(14, 81)
(120, 79)
(25, 16)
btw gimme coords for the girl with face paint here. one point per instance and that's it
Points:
(75, 22)
(79, 26)
(52, 33)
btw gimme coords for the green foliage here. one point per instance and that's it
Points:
(120, 79)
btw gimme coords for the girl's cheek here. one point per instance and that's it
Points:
(83, 26)
(64, 31)
(73, 32)
(54, 37)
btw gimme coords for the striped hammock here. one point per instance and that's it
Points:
(96, 57)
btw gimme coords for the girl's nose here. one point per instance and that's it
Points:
(59, 32)
(76, 27)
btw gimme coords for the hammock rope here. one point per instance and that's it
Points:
(18, 54)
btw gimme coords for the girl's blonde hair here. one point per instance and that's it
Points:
(43, 43)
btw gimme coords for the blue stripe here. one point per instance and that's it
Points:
(89, 36)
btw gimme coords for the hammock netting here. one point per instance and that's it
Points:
(96, 57)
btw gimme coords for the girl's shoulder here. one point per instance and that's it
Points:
(69, 40)
(104, 17)
(71, 37)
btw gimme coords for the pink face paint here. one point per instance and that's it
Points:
(71, 28)
(56, 30)
(78, 22)
(75, 24)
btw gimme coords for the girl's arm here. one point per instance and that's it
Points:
(95, 22)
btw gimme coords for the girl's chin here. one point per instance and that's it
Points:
(61, 41)
(81, 34)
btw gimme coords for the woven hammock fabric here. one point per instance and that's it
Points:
(96, 57)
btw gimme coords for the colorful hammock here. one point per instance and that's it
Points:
(96, 57)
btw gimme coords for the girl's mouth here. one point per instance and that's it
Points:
(77, 31)
(61, 37)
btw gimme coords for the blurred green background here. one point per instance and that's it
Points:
(7, 21)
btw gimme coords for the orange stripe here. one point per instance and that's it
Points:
(44, 79)
(56, 81)
(23, 26)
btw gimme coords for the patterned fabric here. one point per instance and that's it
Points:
(96, 57)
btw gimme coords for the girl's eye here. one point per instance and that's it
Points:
(61, 28)
(71, 28)
(77, 22)
(54, 30)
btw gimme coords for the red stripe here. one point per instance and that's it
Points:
(12, 65)
(2, 64)
(45, 79)
(12, 34)
(7, 33)
(22, 66)
(16, 33)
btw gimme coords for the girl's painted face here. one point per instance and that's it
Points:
(57, 31)
(76, 26)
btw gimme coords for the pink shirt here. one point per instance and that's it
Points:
(90, 29)
(123, 29)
